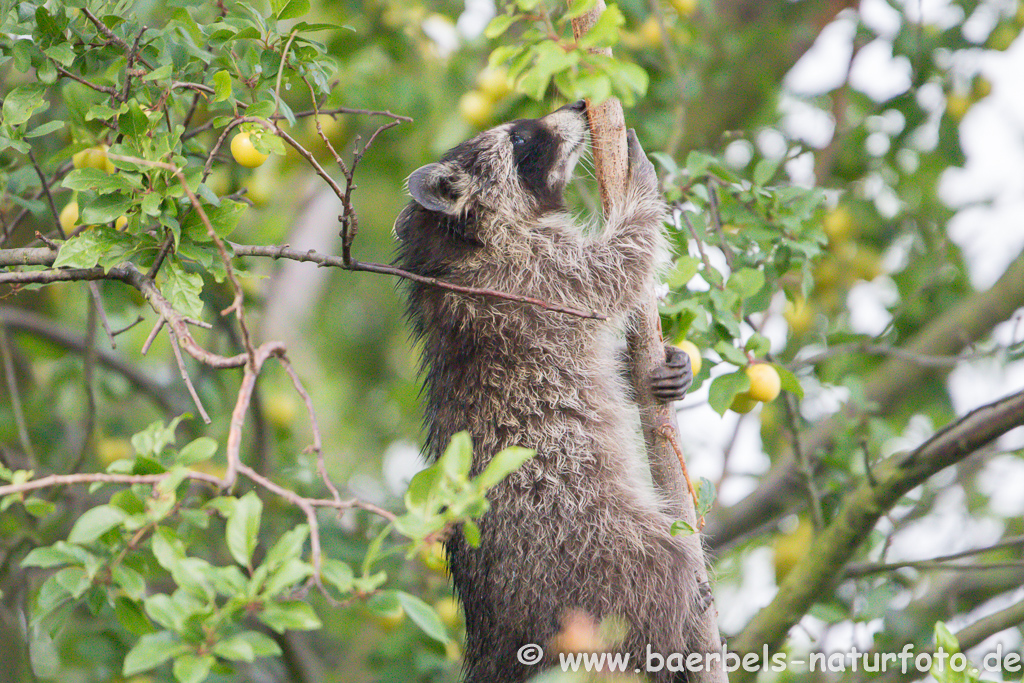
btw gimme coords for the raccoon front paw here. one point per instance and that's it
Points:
(641, 170)
(671, 380)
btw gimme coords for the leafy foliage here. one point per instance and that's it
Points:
(148, 567)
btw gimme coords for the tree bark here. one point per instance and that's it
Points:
(646, 352)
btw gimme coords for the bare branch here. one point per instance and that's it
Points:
(15, 396)
(99, 477)
(821, 568)
(43, 256)
(32, 323)
(97, 301)
(325, 260)
(184, 375)
(867, 568)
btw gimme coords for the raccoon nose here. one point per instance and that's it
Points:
(579, 105)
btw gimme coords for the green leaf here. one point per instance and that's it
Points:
(765, 170)
(288, 547)
(152, 440)
(746, 282)
(152, 650)
(337, 573)
(45, 129)
(159, 73)
(285, 616)
(56, 555)
(686, 268)
(223, 218)
(22, 102)
(235, 649)
(458, 456)
(62, 53)
(789, 381)
(164, 611)
(82, 251)
(422, 487)
(95, 522)
(945, 639)
(681, 527)
(199, 450)
(243, 527)
(262, 645)
(724, 389)
(424, 616)
(221, 86)
(183, 289)
(106, 208)
(577, 8)
(74, 580)
(290, 573)
(130, 615)
(39, 508)
(133, 123)
(731, 354)
(471, 531)
(605, 31)
(99, 181)
(503, 464)
(499, 25)
(131, 581)
(190, 668)
(705, 497)
(104, 112)
(294, 10)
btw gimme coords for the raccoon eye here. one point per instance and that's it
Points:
(517, 139)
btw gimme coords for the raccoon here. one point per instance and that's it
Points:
(577, 529)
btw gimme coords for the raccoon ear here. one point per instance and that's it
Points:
(431, 186)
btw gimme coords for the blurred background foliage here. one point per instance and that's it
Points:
(719, 108)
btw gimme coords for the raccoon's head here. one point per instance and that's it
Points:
(516, 170)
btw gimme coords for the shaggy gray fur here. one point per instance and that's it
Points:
(577, 527)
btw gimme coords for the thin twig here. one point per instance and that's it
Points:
(122, 330)
(99, 477)
(369, 267)
(317, 445)
(716, 222)
(152, 335)
(678, 211)
(46, 190)
(41, 256)
(37, 325)
(94, 290)
(89, 380)
(184, 376)
(867, 568)
(15, 395)
(804, 460)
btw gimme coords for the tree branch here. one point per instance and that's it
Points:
(32, 323)
(646, 353)
(818, 572)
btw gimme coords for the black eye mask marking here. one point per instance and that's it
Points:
(535, 152)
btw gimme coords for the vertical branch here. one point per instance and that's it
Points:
(15, 395)
(647, 352)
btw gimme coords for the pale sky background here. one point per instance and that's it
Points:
(989, 226)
